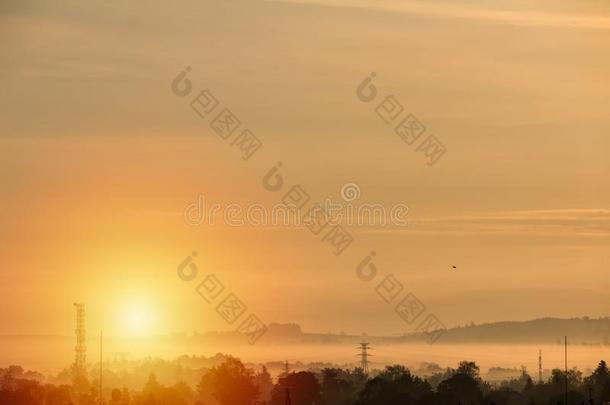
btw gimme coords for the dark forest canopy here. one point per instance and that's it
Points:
(232, 383)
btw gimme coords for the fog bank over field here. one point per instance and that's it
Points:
(500, 344)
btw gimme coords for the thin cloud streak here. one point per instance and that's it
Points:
(555, 222)
(519, 18)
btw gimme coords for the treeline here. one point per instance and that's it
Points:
(232, 383)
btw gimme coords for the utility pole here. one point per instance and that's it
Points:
(539, 366)
(566, 357)
(101, 340)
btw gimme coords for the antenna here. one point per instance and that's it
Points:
(364, 356)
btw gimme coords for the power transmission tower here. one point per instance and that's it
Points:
(364, 356)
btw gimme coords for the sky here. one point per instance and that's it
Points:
(99, 159)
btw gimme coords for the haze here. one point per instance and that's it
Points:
(99, 159)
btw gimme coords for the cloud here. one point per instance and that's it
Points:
(521, 17)
(554, 222)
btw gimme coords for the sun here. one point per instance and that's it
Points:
(138, 319)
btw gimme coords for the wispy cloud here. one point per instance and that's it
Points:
(554, 222)
(520, 17)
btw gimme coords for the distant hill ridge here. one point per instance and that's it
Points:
(585, 330)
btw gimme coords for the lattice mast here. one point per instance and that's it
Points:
(80, 350)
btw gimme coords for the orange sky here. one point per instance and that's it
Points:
(98, 159)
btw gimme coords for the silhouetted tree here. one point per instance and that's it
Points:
(57, 395)
(151, 391)
(463, 386)
(304, 389)
(505, 396)
(264, 383)
(231, 383)
(336, 387)
(394, 385)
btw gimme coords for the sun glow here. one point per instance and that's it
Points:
(138, 319)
